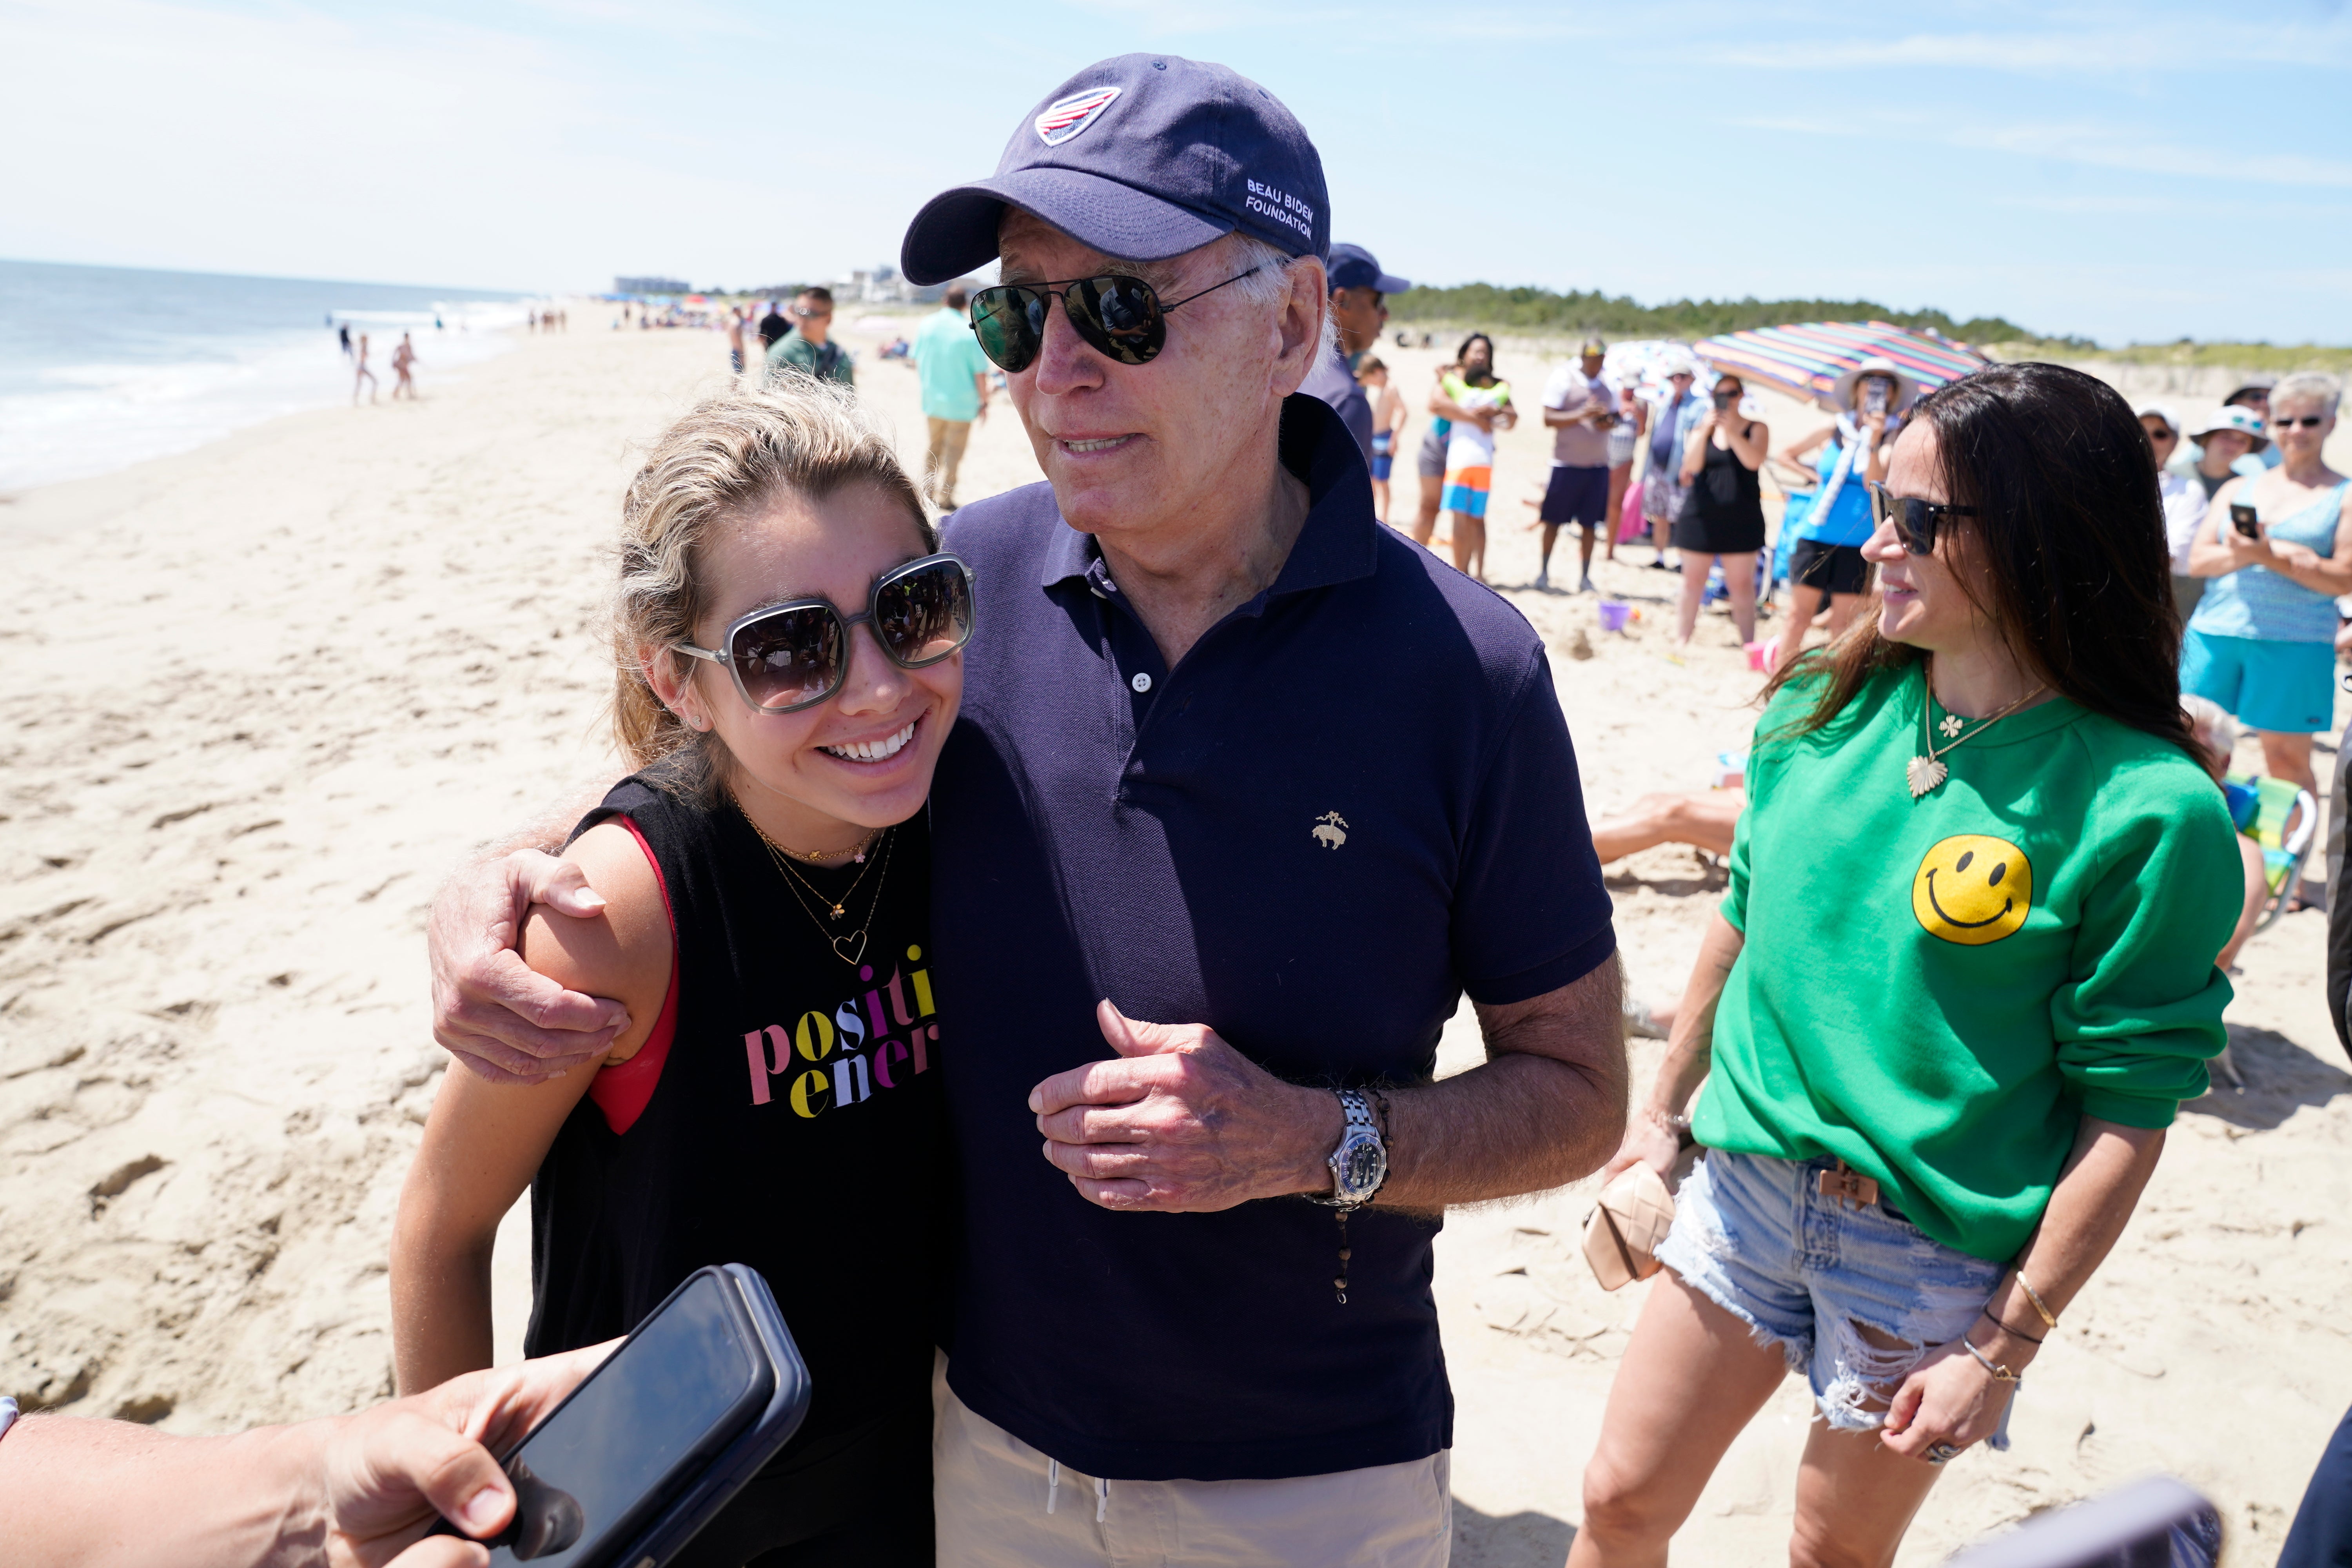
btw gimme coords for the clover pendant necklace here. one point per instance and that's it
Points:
(1925, 773)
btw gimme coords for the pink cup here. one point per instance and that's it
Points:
(1757, 652)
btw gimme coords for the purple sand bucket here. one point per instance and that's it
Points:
(1612, 615)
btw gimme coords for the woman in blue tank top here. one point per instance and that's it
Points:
(1825, 565)
(2261, 642)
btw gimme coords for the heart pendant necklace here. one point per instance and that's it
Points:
(1925, 773)
(849, 947)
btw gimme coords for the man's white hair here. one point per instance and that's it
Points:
(1269, 284)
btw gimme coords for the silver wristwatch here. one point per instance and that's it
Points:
(1360, 1164)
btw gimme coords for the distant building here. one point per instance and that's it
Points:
(880, 285)
(650, 286)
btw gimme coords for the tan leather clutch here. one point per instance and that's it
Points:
(1623, 1232)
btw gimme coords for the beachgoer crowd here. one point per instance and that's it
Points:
(1026, 942)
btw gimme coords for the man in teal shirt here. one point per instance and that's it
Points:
(809, 347)
(954, 376)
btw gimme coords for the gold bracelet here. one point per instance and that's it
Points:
(2001, 1374)
(2049, 1318)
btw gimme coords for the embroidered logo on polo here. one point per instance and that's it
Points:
(875, 1041)
(1330, 830)
(1065, 117)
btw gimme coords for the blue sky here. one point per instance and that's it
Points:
(2128, 172)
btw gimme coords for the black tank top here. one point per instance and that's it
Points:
(1726, 489)
(797, 1124)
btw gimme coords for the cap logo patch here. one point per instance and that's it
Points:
(1065, 117)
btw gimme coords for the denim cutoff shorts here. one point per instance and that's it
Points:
(1802, 1271)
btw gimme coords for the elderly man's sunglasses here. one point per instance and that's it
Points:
(794, 655)
(1121, 316)
(2286, 422)
(1915, 519)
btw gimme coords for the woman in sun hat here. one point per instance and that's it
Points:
(2228, 445)
(1678, 407)
(1871, 398)
(2263, 641)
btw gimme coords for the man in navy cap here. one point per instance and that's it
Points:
(1359, 308)
(1246, 794)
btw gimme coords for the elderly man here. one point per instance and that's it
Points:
(1246, 794)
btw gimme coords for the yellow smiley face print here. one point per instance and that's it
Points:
(1972, 889)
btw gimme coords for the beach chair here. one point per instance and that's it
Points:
(2283, 820)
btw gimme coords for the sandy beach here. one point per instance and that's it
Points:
(264, 694)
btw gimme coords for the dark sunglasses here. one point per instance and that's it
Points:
(794, 655)
(1914, 519)
(1117, 315)
(2308, 421)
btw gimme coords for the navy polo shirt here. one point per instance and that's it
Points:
(1352, 800)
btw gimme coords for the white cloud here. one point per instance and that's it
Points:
(2139, 42)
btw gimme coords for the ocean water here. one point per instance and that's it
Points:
(103, 366)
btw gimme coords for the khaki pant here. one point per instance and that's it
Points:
(1002, 1504)
(941, 458)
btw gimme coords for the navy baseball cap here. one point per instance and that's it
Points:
(1353, 267)
(1142, 157)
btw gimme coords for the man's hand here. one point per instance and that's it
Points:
(492, 1011)
(1182, 1122)
(386, 1472)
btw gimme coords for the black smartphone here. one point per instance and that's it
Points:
(2241, 517)
(657, 1439)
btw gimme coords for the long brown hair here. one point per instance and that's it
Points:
(2069, 526)
(725, 459)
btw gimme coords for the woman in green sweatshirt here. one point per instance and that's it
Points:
(1963, 977)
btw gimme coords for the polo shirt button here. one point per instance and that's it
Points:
(1141, 682)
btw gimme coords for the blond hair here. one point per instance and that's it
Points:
(728, 458)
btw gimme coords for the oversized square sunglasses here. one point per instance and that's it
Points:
(791, 656)
(1915, 519)
(1114, 314)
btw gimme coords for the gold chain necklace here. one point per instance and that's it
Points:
(1926, 773)
(812, 856)
(856, 939)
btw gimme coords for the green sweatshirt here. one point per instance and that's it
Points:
(1937, 990)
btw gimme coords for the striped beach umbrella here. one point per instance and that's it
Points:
(1806, 360)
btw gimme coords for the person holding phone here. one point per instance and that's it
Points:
(1961, 980)
(788, 644)
(2261, 641)
(1723, 507)
(1826, 560)
(345, 1490)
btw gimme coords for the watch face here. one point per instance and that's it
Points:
(1358, 1166)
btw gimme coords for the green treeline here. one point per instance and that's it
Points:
(1541, 310)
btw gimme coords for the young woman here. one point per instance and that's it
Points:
(788, 643)
(2261, 642)
(1723, 509)
(1478, 404)
(1962, 979)
(1825, 567)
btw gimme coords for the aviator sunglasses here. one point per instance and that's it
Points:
(1121, 316)
(791, 656)
(1915, 519)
